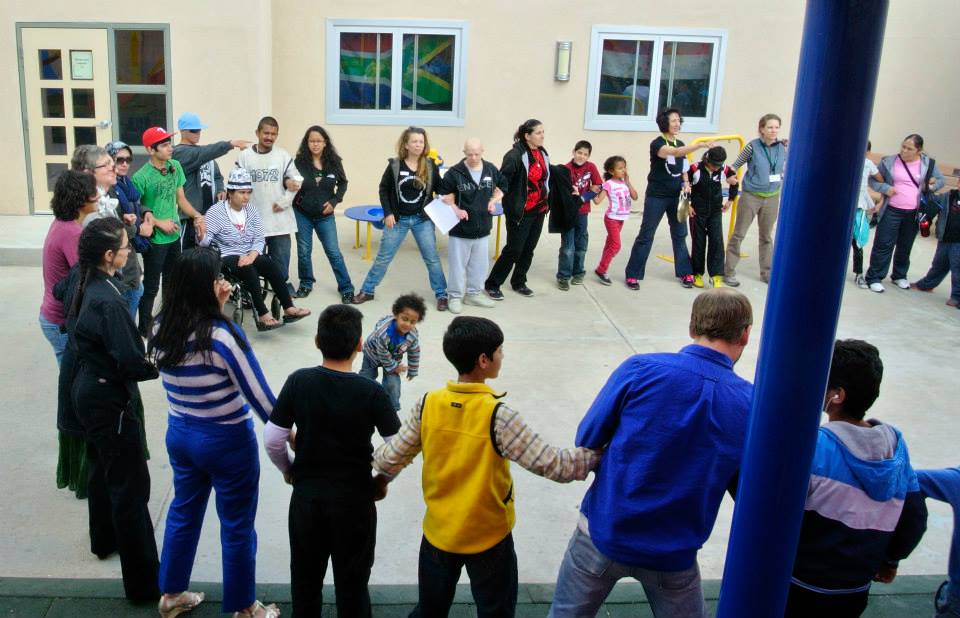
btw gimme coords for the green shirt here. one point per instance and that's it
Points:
(158, 192)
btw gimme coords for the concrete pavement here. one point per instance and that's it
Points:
(560, 347)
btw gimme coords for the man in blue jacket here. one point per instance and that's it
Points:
(673, 428)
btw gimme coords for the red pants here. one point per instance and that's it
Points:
(612, 245)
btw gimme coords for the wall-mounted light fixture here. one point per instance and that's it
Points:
(563, 61)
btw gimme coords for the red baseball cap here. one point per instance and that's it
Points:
(155, 135)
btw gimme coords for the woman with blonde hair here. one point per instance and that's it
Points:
(409, 183)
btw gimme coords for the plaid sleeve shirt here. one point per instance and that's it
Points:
(515, 440)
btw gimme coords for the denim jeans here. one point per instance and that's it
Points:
(224, 458)
(653, 210)
(326, 229)
(587, 577)
(946, 260)
(425, 235)
(493, 580)
(894, 238)
(573, 249)
(133, 296)
(391, 381)
(57, 339)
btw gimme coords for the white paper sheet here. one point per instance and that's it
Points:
(442, 215)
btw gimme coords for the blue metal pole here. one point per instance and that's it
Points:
(836, 82)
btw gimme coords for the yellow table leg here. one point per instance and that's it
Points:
(356, 243)
(366, 255)
(496, 253)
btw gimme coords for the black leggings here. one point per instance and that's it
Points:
(250, 280)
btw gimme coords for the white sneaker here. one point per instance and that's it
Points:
(455, 305)
(479, 300)
(903, 284)
(876, 286)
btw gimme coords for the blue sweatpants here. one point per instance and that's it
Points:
(224, 458)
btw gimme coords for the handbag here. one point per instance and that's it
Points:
(683, 211)
(927, 207)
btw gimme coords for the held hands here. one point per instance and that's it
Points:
(726, 206)
(733, 180)
(201, 227)
(491, 206)
(390, 221)
(380, 487)
(291, 184)
(886, 575)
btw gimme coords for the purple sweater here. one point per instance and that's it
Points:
(60, 252)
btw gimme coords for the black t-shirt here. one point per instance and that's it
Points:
(665, 177)
(335, 414)
(410, 188)
(951, 233)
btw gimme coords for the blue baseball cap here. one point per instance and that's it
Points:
(190, 122)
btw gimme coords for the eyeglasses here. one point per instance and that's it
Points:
(122, 160)
(124, 247)
(110, 165)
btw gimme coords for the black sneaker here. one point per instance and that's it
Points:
(494, 293)
(346, 298)
(604, 279)
(523, 290)
(303, 292)
(563, 284)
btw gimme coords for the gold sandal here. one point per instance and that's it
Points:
(269, 611)
(180, 604)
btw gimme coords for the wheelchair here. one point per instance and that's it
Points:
(241, 300)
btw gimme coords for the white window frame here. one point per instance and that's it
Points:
(395, 115)
(609, 122)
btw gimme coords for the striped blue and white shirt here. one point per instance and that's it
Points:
(229, 238)
(219, 387)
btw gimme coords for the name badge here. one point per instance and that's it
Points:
(775, 178)
(404, 173)
(671, 160)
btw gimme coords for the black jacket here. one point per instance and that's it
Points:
(390, 189)
(318, 188)
(106, 343)
(706, 194)
(564, 202)
(514, 171)
(472, 197)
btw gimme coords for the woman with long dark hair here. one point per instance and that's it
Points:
(74, 198)
(212, 379)
(409, 183)
(324, 185)
(525, 174)
(111, 360)
(906, 177)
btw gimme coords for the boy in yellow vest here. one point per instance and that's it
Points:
(468, 438)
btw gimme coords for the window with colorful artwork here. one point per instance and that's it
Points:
(395, 72)
(634, 72)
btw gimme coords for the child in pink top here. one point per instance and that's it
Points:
(620, 193)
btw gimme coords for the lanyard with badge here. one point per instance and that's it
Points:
(774, 177)
(671, 160)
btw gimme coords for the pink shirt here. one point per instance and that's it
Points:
(907, 195)
(618, 194)
(60, 252)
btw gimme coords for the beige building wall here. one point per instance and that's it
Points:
(510, 66)
(268, 57)
(221, 67)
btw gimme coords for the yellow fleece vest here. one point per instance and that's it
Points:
(466, 483)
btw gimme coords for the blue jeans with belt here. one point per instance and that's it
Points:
(224, 458)
(326, 229)
(424, 233)
(653, 210)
